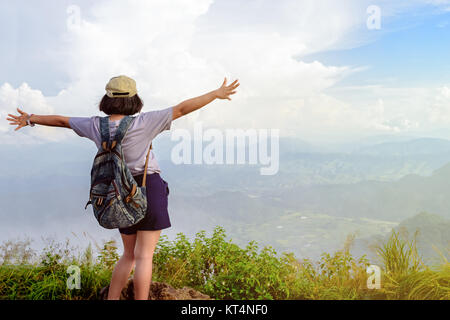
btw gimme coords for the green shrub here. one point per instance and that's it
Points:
(46, 279)
(218, 267)
(223, 270)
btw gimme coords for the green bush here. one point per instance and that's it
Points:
(46, 279)
(223, 270)
(218, 267)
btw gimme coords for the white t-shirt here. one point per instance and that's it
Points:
(136, 142)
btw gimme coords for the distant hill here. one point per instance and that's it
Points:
(339, 192)
(431, 232)
(423, 146)
(391, 201)
(301, 164)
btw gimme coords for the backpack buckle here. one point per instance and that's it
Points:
(105, 145)
(88, 203)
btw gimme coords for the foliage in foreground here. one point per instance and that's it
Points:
(223, 270)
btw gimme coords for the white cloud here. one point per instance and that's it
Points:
(180, 49)
(440, 107)
(178, 54)
(32, 101)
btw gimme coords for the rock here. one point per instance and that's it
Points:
(158, 291)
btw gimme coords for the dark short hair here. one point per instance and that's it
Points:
(126, 106)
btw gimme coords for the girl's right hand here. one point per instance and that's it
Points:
(19, 121)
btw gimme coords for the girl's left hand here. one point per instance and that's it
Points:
(225, 91)
(20, 121)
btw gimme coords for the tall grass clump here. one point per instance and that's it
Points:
(399, 256)
(45, 276)
(406, 276)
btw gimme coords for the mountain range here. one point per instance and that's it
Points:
(312, 204)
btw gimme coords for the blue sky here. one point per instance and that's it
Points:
(410, 51)
(310, 68)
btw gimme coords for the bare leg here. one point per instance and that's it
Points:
(123, 267)
(145, 247)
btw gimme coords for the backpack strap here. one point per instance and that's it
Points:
(134, 187)
(120, 134)
(146, 165)
(104, 132)
(124, 124)
(122, 129)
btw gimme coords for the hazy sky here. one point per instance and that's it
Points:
(312, 69)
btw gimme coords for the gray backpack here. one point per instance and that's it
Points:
(116, 199)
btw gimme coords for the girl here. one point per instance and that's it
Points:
(121, 98)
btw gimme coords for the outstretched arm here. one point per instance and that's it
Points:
(193, 104)
(179, 110)
(51, 120)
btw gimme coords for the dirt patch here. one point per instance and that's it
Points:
(158, 291)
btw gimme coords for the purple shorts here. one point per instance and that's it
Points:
(157, 217)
